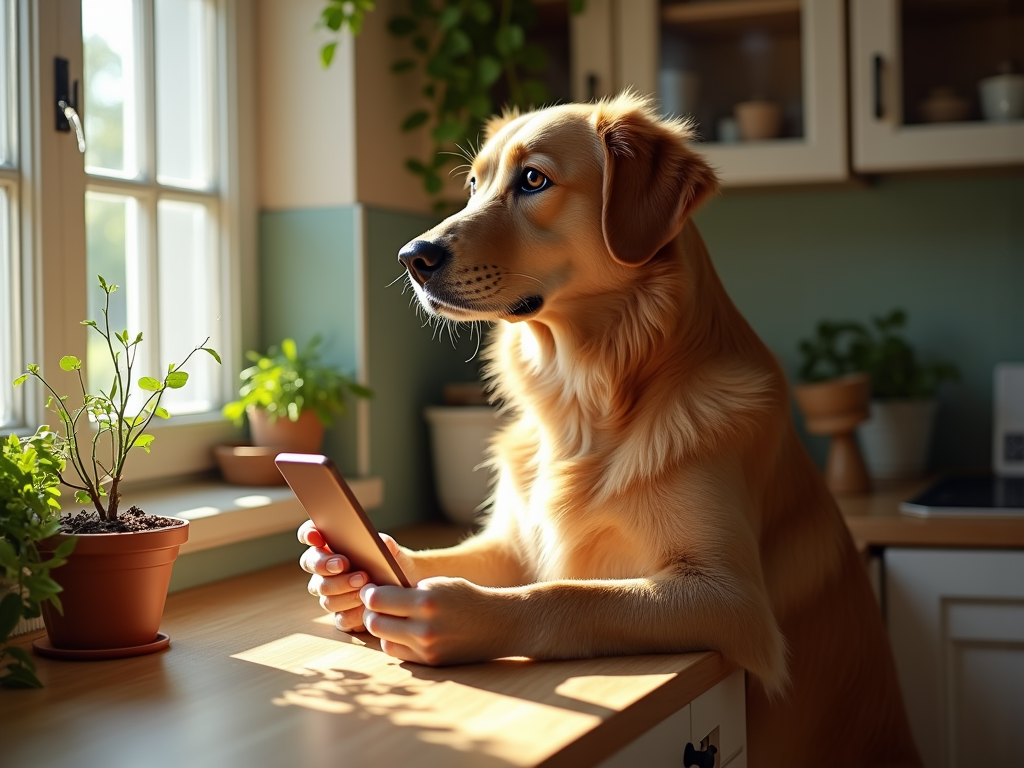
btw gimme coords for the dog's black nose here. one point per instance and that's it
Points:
(423, 258)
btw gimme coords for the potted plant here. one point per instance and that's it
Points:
(289, 397)
(29, 514)
(896, 438)
(896, 434)
(115, 582)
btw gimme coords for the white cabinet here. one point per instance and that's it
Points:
(716, 717)
(789, 52)
(956, 623)
(916, 64)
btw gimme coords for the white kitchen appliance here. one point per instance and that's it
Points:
(1002, 493)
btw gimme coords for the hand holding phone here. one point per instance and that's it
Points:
(339, 518)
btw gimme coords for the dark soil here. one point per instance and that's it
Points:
(133, 519)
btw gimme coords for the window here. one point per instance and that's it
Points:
(153, 195)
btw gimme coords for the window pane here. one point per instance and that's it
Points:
(8, 306)
(189, 304)
(7, 90)
(184, 73)
(111, 104)
(112, 238)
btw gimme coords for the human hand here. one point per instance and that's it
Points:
(334, 582)
(440, 621)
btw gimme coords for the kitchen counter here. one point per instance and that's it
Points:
(875, 521)
(257, 675)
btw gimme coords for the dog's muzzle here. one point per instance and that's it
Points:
(423, 258)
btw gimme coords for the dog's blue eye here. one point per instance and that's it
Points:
(533, 180)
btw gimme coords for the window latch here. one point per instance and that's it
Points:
(67, 102)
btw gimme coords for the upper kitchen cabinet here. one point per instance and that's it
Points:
(936, 84)
(764, 80)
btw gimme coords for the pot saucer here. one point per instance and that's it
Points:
(43, 647)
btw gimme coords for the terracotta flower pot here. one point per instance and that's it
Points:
(115, 587)
(835, 408)
(305, 435)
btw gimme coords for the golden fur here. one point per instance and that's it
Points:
(652, 494)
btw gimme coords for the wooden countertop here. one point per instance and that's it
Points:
(875, 521)
(257, 676)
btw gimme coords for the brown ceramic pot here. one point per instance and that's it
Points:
(115, 587)
(305, 435)
(835, 408)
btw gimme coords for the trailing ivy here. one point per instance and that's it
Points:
(467, 52)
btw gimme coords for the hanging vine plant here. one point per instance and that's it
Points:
(470, 53)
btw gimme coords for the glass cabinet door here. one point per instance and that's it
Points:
(763, 80)
(937, 83)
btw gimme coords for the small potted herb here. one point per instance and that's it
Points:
(896, 433)
(289, 396)
(115, 582)
(29, 515)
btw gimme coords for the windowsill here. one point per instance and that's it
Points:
(220, 514)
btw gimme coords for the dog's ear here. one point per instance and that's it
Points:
(652, 180)
(496, 123)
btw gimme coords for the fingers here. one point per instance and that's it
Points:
(394, 601)
(391, 544)
(308, 534)
(323, 562)
(350, 620)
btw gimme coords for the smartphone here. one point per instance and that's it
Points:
(334, 509)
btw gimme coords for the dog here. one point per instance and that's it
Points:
(651, 494)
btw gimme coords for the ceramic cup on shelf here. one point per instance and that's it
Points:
(943, 106)
(1002, 97)
(758, 119)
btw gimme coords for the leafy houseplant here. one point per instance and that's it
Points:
(29, 514)
(897, 434)
(290, 395)
(469, 52)
(94, 618)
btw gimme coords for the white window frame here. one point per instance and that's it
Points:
(54, 273)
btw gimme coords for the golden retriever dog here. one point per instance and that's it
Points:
(652, 494)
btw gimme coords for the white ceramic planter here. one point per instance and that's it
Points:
(459, 436)
(896, 439)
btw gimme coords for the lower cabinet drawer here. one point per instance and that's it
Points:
(716, 717)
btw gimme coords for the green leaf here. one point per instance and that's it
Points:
(150, 384)
(415, 166)
(103, 283)
(144, 441)
(400, 26)
(402, 65)
(327, 54)
(211, 352)
(162, 412)
(432, 183)
(176, 380)
(415, 120)
(333, 17)
(32, 368)
(421, 43)
(21, 379)
(534, 58)
(20, 677)
(479, 107)
(449, 17)
(70, 363)
(82, 497)
(509, 39)
(449, 130)
(289, 349)
(456, 43)
(10, 613)
(488, 70)
(89, 322)
(481, 11)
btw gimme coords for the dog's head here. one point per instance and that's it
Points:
(565, 202)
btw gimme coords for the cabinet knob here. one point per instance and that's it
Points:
(701, 758)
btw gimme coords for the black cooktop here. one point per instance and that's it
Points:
(972, 495)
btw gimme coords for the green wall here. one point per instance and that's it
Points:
(949, 251)
(308, 278)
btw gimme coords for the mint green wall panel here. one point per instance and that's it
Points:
(308, 284)
(410, 361)
(949, 251)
